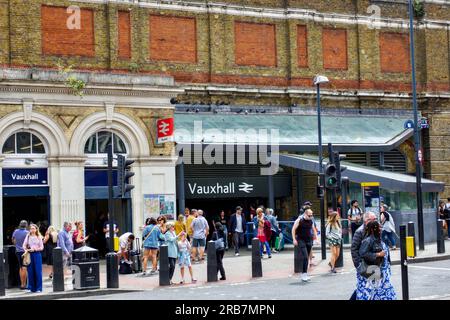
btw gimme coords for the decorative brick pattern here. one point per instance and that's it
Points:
(394, 52)
(255, 44)
(173, 39)
(302, 47)
(124, 34)
(58, 39)
(334, 43)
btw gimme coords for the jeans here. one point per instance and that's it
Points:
(305, 249)
(261, 247)
(388, 238)
(238, 240)
(35, 272)
(219, 257)
(225, 232)
(273, 239)
(172, 263)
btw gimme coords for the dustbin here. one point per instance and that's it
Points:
(85, 268)
(11, 267)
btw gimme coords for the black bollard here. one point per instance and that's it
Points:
(404, 263)
(340, 260)
(412, 233)
(211, 262)
(164, 279)
(112, 270)
(58, 270)
(11, 267)
(297, 260)
(440, 236)
(2, 275)
(256, 259)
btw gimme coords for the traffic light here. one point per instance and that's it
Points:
(123, 175)
(339, 169)
(330, 176)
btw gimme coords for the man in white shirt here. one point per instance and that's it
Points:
(200, 230)
(125, 245)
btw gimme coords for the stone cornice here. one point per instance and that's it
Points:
(282, 13)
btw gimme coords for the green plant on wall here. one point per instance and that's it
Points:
(419, 9)
(77, 85)
(133, 67)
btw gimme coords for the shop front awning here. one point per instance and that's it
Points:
(295, 132)
(356, 173)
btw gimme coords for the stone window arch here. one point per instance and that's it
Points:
(22, 143)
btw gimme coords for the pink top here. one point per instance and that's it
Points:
(34, 243)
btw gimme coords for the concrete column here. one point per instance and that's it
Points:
(67, 197)
(180, 186)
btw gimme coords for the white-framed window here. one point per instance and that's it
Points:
(98, 143)
(21, 143)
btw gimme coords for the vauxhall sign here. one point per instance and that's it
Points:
(237, 187)
(25, 177)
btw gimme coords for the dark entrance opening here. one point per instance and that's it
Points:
(34, 209)
(96, 216)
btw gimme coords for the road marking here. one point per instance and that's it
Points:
(429, 268)
(432, 297)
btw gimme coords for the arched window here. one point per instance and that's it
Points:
(98, 143)
(23, 143)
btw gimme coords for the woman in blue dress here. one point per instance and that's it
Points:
(379, 285)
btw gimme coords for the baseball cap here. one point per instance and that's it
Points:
(238, 208)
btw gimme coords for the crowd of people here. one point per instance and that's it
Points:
(372, 239)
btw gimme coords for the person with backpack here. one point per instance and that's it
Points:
(387, 221)
(262, 231)
(334, 237)
(274, 228)
(220, 251)
(302, 235)
(355, 216)
(374, 270)
(152, 235)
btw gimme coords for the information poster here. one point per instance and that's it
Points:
(371, 197)
(159, 204)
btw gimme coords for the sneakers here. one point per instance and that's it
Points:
(237, 254)
(305, 277)
(333, 270)
(274, 250)
(270, 256)
(223, 278)
(194, 280)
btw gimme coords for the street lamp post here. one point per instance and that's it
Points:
(318, 80)
(416, 132)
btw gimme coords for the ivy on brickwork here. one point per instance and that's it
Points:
(419, 9)
(77, 85)
(133, 67)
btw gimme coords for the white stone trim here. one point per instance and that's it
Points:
(281, 13)
(124, 126)
(50, 133)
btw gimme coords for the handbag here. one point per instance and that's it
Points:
(26, 259)
(219, 244)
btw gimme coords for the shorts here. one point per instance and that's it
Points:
(19, 259)
(151, 248)
(334, 242)
(198, 243)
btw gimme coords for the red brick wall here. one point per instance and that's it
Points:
(334, 43)
(124, 30)
(302, 47)
(255, 44)
(394, 52)
(57, 39)
(173, 39)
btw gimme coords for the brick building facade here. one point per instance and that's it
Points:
(250, 53)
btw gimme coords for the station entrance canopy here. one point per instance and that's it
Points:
(356, 173)
(296, 132)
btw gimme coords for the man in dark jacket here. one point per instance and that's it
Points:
(237, 228)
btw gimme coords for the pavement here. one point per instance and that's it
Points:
(238, 271)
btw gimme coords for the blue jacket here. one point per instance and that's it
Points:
(65, 242)
(152, 240)
(233, 223)
(172, 245)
